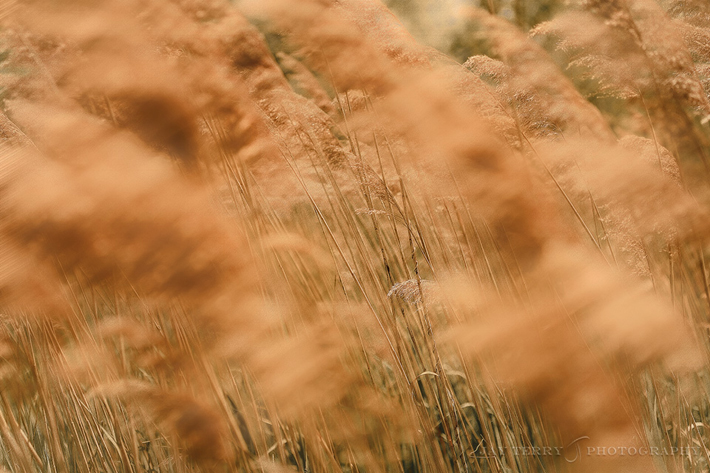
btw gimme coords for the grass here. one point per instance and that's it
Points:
(288, 236)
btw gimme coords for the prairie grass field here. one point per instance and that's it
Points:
(389, 236)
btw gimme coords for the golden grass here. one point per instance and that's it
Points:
(280, 235)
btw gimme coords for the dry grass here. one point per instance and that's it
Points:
(288, 235)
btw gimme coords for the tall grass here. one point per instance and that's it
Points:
(279, 235)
